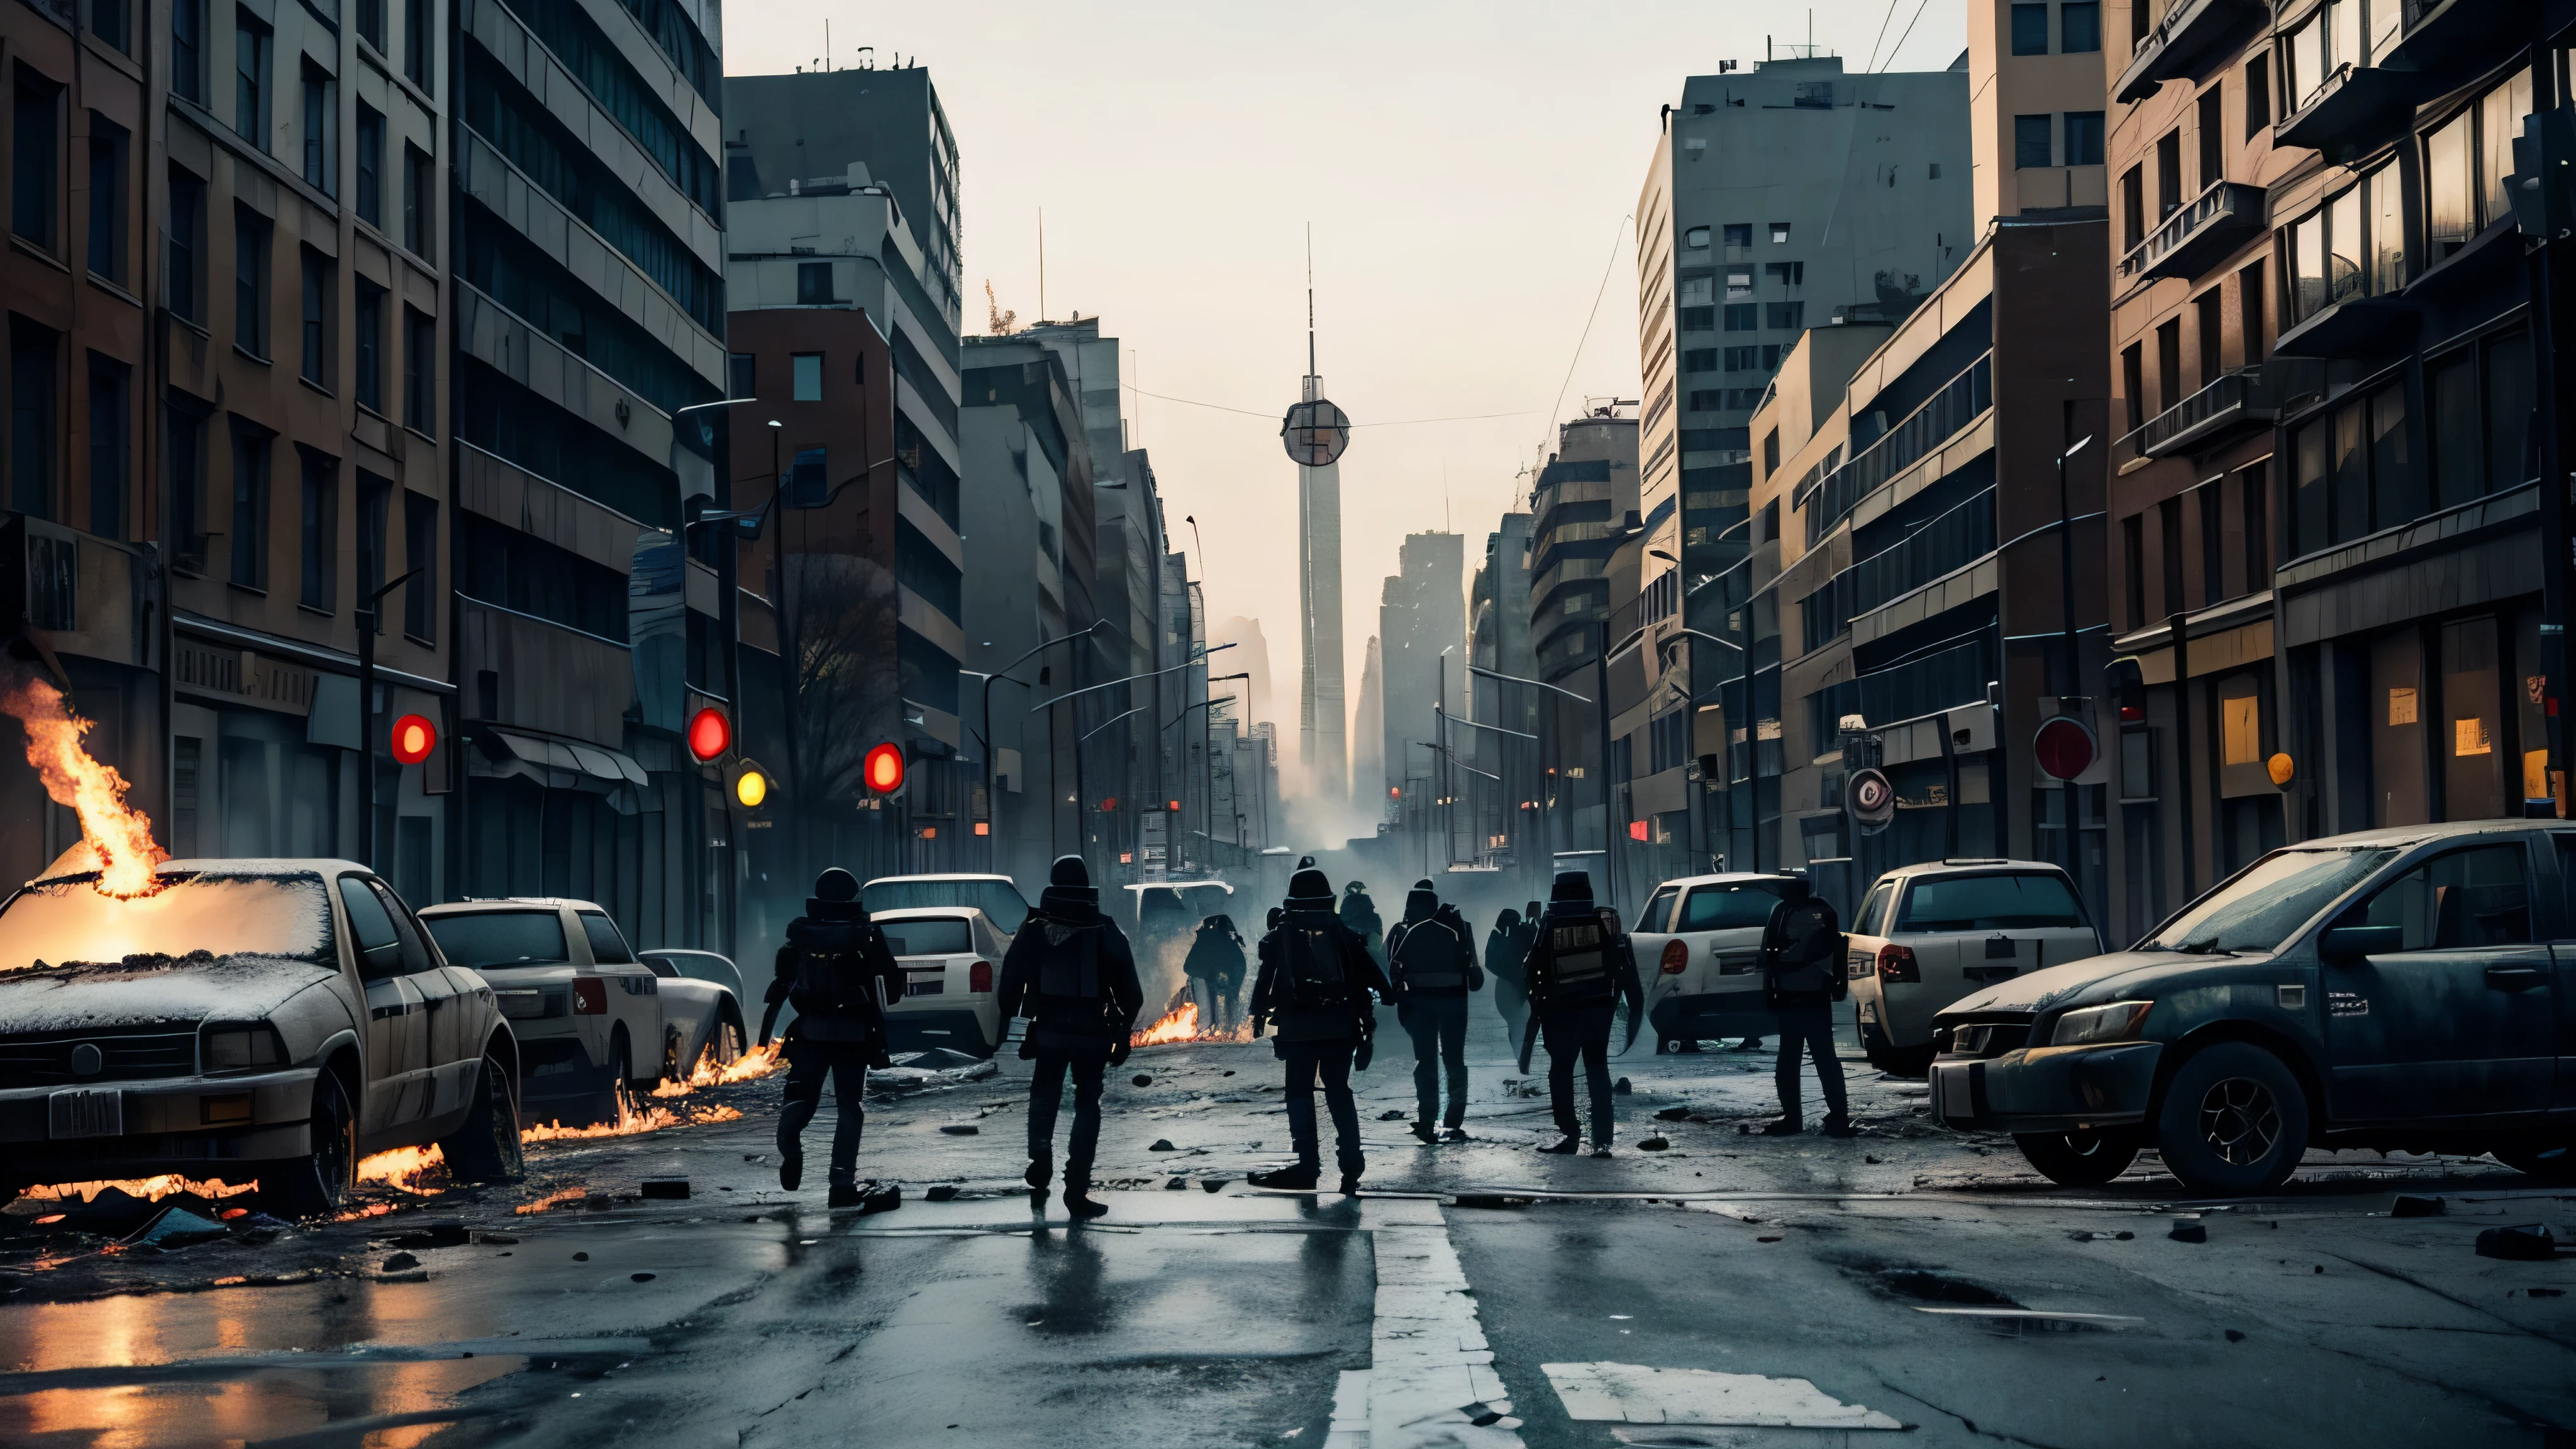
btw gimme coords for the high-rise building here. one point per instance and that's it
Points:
(1582, 504)
(1422, 636)
(1321, 719)
(1498, 639)
(1368, 754)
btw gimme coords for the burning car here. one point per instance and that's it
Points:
(242, 1019)
(590, 1014)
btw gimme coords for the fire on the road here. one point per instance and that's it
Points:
(1182, 1024)
(752, 1065)
(631, 1120)
(150, 1189)
(406, 1168)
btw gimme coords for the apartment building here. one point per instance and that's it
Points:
(1582, 505)
(2327, 559)
(1498, 639)
(1421, 632)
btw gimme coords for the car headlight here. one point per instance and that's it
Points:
(2118, 1021)
(240, 1046)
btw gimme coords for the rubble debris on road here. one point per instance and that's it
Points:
(1162, 1144)
(1673, 1114)
(961, 1129)
(1654, 1144)
(940, 1192)
(663, 1187)
(2189, 1233)
(1141, 1079)
(400, 1261)
(1620, 1088)
(1391, 1114)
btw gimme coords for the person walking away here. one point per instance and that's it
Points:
(1316, 979)
(835, 968)
(1505, 949)
(1072, 973)
(1802, 961)
(1577, 974)
(1214, 967)
(1431, 963)
(1360, 914)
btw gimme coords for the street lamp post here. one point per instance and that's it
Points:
(1603, 703)
(370, 617)
(2074, 673)
(992, 816)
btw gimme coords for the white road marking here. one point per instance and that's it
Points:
(1431, 1373)
(1622, 1393)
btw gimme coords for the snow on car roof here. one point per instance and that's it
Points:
(923, 913)
(485, 903)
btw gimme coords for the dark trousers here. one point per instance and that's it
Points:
(1570, 1031)
(1214, 996)
(1513, 1003)
(1331, 1061)
(1438, 1026)
(1046, 1094)
(808, 1063)
(1807, 1025)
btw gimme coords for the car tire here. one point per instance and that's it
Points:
(725, 1044)
(485, 1147)
(1915, 1062)
(602, 1103)
(2233, 1119)
(2550, 1162)
(2079, 1159)
(311, 1187)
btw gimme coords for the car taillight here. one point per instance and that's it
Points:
(1896, 963)
(589, 996)
(1676, 958)
(979, 977)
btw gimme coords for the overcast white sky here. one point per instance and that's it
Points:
(1467, 168)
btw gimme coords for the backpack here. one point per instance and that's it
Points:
(1429, 957)
(1311, 967)
(1579, 961)
(1071, 966)
(1809, 941)
(832, 972)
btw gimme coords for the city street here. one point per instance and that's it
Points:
(1726, 1290)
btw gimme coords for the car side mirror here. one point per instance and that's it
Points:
(2344, 944)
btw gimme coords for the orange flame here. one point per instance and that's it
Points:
(405, 1168)
(750, 1066)
(552, 1200)
(1182, 1024)
(630, 1121)
(118, 834)
(150, 1189)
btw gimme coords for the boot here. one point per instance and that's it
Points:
(1078, 1203)
(845, 1195)
(1783, 1127)
(1300, 1178)
(791, 1170)
(1423, 1131)
(1454, 1134)
(1600, 1149)
(1564, 1146)
(1351, 1184)
(1838, 1124)
(1749, 1044)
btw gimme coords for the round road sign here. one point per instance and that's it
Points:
(2065, 747)
(1315, 433)
(1871, 798)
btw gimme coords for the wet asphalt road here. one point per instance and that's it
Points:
(747, 1316)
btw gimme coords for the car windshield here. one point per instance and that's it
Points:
(2260, 909)
(999, 900)
(1729, 907)
(2024, 902)
(501, 938)
(935, 936)
(69, 922)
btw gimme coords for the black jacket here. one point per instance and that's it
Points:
(835, 927)
(1541, 976)
(1433, 956)
(1067, 939)
(1802, 949)
(1215, 956)
(1360, 975)
(1505, 950)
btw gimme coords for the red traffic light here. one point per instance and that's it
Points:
(413, 738)
(2065, 747)
(710, 734)
(883, 769)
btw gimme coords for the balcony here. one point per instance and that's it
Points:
(2361, 327)
(2198, 236)
(2446, 41)
(2237, 403)
(2354, 111)
(2191, 33)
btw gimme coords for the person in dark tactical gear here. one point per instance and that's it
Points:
(1802, 976)
(1072, 973)
(1505, 949)
(1215, 968)
(1360, 914)
(835, 969)
(1578, 971)
(1316, 979)
(1431, 962)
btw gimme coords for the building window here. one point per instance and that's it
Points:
(420, 373)
(2212, 132)
(2133, 383)
(253, 44)
(319, 531)
(2213, 553)
(1700, 359)
(813, 283)
(1786, 316)
(374, 503)
(1771, 458)
(2030, 29)
(187, 246)
(368, 329)
(2133, 208)
(2079, 27)
(250, 281)
(35, 394)
(2168, 174)
(2205, 317)
(1707, 399)
(806, 369)
(1743, 316)
(250, 506)
(183, 463)
(2254, 493)
(2258, 95)
(1699, 319)
(1779, 233)
(2353, 475)
(315, 315)
(742, 373)
(2251, 317)
(371, 165)
(371, 23)
(420, 560)
(1786, 274)
(321, 131)
(1696, 291)
(1739, 234)
(809, 483)
(2034, 143)
(1696, 238)
(2083, 138)
(108, 148)
(2333, 254)
(111, 391)
(2133, 560)
(1743, 359)
(2480, 401)
(419, 41)
(188, 50)
(1771, 355)
(2168, 363)
(420, 204)
(35, 156)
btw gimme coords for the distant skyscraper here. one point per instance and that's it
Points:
(1368, 770)
(1321, 721)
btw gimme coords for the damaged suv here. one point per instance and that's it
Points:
(2396, 989)
(249, 1019)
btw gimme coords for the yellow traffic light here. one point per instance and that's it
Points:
(750, 786)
